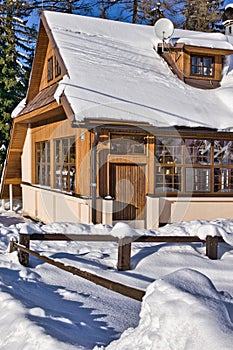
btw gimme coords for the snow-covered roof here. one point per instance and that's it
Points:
(114, 73)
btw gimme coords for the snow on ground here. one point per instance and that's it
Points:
(188, 302)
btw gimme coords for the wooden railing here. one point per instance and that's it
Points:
(124, 254)
(124, 244)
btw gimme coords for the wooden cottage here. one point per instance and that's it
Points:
(108, 132)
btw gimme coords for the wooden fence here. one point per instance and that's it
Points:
(124, 244)
(124, 254)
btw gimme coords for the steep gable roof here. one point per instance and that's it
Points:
(115, 74)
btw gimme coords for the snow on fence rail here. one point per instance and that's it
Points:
(124, 244)
(124, 254)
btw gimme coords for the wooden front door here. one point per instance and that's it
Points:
(127, 187)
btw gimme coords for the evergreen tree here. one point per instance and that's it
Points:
(69, 6)
(196, 15)
(16, 47)
(137, 11)
(149, 11)
(202, 15)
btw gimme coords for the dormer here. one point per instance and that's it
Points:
(197, 66)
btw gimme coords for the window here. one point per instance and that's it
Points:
(202, 66)
(65, 164)
(127, 144)
(43, 163)
(57, 68)
(168, 167)
(50, 69)
(193, 165)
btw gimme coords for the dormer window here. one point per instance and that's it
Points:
(197, 66)
(202, 66)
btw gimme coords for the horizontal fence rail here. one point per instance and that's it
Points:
(124, 244)
(117, 287)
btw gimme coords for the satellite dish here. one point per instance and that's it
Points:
(164, 28)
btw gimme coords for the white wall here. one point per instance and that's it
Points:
(27, 158)
(51, 206)
(165, 210)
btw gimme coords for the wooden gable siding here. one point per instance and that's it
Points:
(45, 46)
(12, 168)
(83, 139)
(38, 64)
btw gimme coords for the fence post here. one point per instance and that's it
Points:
(11, 196)
(124, 254)
(212, 247)
(11, 246)
(24, 239)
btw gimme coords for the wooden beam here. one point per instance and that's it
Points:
(39, 113)
(16, 150)
(11, 181)
(207, 50)
(125, 290)
(71, 237)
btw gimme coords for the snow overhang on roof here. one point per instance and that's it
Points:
(199, 39)
(115, 74)
(228, 4)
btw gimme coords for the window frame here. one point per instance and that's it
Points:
(57, 68)
(200, 67)
(50, 75)
(65, 164)
(43, 161)
(218, 167)
(128, 144)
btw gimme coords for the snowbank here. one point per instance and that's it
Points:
(181, 311)
(184, 307)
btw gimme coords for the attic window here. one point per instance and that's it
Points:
(50, 69)
(202, 66)
(57, 68)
